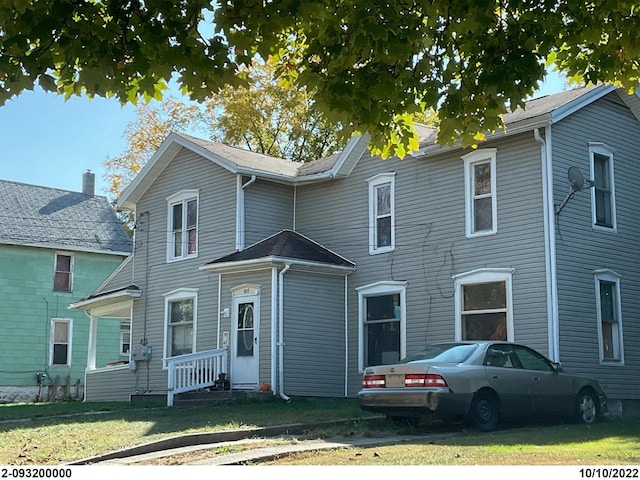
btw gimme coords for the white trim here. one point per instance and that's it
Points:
(177, 295)
(606, 151)
(375, 182)
(479, 276)
(69, 323)
(610, 276)
(65, 253)
(383, 287)
(470, 160)
(182, 197)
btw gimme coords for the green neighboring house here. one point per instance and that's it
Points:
(56, 246)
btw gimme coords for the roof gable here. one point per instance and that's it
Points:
(47, 217)
(286, 246)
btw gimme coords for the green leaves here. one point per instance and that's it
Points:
(369, 62)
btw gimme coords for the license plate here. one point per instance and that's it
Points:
(394, 381)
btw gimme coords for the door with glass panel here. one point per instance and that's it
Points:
(244, 347)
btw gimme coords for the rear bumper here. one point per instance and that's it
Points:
(437, 402)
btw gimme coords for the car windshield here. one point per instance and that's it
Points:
(443, 353)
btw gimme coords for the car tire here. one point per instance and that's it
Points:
(485, 413)
(587, 407)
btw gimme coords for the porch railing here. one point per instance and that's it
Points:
(194, 371)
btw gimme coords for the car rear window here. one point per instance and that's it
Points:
(443, 353)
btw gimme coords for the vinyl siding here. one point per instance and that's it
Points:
(582, 249)
(314, 334)
(431, 245)
(112, 384)
(268, 210)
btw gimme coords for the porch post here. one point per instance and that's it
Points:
(93, 341)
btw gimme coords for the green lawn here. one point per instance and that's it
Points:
(58, 433)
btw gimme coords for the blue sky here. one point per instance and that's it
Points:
(45, 140)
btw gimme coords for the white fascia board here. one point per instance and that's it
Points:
(269, 262)
(107, 299)
(580, 102)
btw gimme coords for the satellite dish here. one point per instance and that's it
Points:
(575, 179)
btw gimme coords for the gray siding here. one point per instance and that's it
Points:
(582, 249)
(268, 210)
(431, 245)
(109, 385)
(314, 334)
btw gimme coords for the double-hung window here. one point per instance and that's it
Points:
(484, 305)
(609, 316)
(480, 192)
(180, 322)
(125, 337)
(60, 343)
(382, 213)
(183, 225)
(382, 323)
(603, 202)
(63, 272)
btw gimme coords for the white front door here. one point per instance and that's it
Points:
(244, 347)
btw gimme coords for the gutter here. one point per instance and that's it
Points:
(240, 220)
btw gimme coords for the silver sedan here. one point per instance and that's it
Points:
(484, 381)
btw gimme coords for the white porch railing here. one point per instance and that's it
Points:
(194, 370)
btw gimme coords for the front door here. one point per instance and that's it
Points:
(244, 348)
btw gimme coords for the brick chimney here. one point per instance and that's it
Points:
(88, 183)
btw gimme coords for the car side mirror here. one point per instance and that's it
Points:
(557, 366)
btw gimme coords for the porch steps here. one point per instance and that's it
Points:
(206, 397)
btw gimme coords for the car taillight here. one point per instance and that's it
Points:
(373, 381)
(424, 380)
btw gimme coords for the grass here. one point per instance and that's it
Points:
(46, 434)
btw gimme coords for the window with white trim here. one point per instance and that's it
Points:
(382, 323)
(180, 321)
(63, 272)
(484, 305)
(125, 337)
(609, 316)
(382, 213)
(603, 200)
(182, 219)
(480, 192)
(60, 342)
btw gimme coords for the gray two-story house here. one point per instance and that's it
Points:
(294, 277)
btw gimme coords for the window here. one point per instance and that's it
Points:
(483, 305)
(125, 337)
(62, 277)
(60, 351)
(480, 192)
(381, 213)
(180, 321)
(382, 323)
(183, 225)
(603, 195)
(609, 316)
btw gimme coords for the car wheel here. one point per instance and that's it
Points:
(485, 412)
(587, 407)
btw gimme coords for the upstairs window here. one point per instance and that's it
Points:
(183, 225)
(60, 346)
(609, 316)
(480, 192)
(63, 275)
(603, 194)
(382, 213)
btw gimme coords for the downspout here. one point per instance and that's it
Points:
(274, 327)
(281, 333)
(346, 340)
(549, 241)
(240, 211)
(219, 312)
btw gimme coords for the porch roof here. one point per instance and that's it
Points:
(285, 247)
(115, 303)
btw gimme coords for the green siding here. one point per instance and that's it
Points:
(28, 303)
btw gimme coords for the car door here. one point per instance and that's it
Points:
(550, 390)
(509, 381)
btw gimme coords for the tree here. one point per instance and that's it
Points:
(261, 117)
(371, 63)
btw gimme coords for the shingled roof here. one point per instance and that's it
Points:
(286, 246)
(37, 216)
